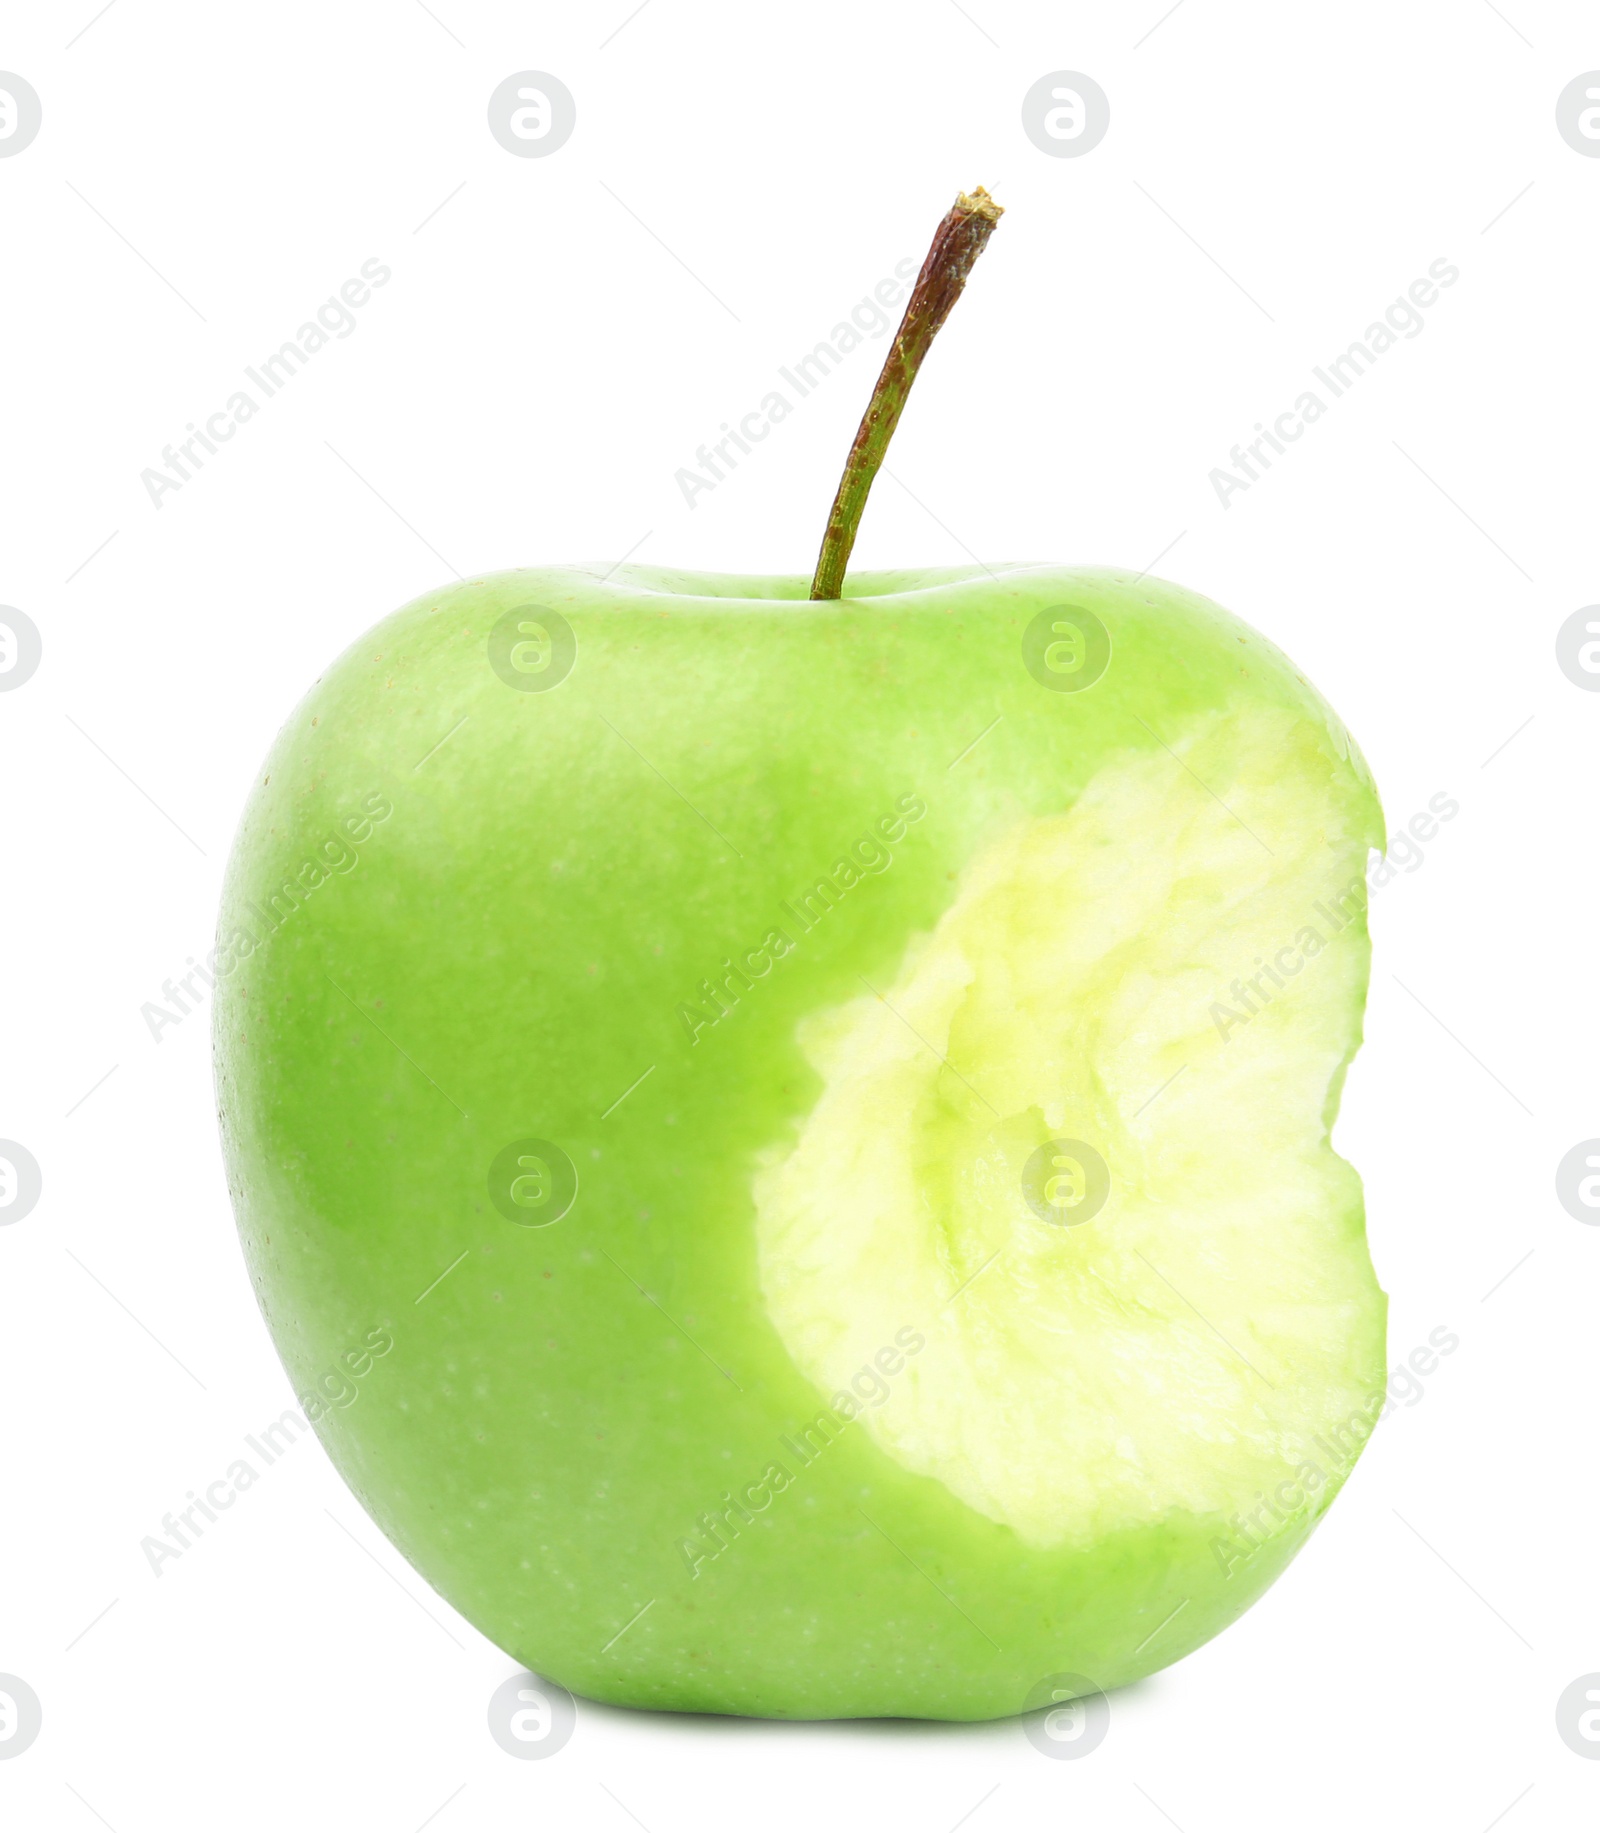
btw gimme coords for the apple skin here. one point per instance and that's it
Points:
(508, 955)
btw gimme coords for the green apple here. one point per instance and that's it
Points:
(785, 1144)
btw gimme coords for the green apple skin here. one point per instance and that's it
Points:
(541, 1418)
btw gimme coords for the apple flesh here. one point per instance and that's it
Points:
(931, 1273)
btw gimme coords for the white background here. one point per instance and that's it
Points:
(523, 391)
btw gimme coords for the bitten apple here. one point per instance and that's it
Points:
(831, 1097)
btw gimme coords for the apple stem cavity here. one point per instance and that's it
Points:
(957, 243)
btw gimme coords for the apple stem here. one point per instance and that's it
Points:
(957, 243)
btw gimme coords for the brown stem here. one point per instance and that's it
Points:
(957, 243)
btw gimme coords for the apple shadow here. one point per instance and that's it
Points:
(885, 1729)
